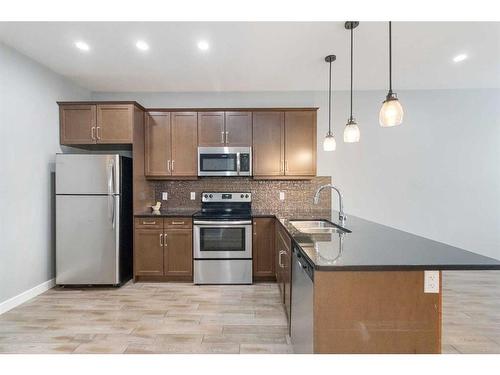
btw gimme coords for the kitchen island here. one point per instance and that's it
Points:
(375, 289)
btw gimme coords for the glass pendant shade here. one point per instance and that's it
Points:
(391, 113)
(351, 132)
(329, 144)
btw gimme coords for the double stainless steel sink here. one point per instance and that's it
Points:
(316, 227)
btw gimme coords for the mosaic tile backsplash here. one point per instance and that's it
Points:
(265, 193)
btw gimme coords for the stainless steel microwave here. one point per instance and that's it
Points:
(224, 161)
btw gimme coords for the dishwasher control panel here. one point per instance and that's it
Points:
(306, 266)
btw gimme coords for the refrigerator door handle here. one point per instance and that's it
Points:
(111, 210)
(111, 177)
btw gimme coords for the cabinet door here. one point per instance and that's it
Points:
(184, 144)
(268, 150)
(300, 143)
(157, 148)
(279, 262)
(211, 129)
(114, 123)
(148, 252)
(263, 249)
(77, 124)
(238, 129)
(178, 260)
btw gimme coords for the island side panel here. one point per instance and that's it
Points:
(375, 312)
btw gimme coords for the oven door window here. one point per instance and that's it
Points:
(222, 239)
(218, 162)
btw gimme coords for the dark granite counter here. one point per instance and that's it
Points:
(371, 246)
(173, 212)
(365, 245)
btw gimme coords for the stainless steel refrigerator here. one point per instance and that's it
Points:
(93, 219)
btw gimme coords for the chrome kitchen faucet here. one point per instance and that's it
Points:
(342, 216)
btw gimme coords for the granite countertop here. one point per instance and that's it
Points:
(365, 245)
(169, 212)
(371, 246)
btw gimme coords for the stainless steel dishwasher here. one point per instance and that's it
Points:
(302, 303)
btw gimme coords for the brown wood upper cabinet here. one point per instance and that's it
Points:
(263, 249)
(114, 123)
(171, 144)
(84, 124)
(238, 129)
(221, 129)
(158, 145)
(284, 144)
(300, 143)
(77, 124)
(268, 146)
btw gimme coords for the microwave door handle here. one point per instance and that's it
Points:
(238, 165)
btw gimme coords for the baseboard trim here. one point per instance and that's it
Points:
(27, 295)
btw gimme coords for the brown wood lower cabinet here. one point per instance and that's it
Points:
(163, 249)
(178, 259)
(263, 249)
(148, 251)
(283, 267)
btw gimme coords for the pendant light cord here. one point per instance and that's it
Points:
(351, 70)
(390, 57)
(330, 100)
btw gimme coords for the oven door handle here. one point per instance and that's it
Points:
(222, 223)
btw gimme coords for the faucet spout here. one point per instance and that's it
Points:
(342, 216)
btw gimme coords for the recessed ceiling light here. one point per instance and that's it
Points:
(142, 45)
(82, 45)
(460, 57)
(203, 45)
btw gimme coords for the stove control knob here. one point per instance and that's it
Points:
(246, 195)
(242, 196)
(211, 196)
(206, 195)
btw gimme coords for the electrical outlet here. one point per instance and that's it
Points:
(193, 195)
(282, 195)
(431, 281)
(164, 196)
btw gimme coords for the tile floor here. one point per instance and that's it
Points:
(182, 318)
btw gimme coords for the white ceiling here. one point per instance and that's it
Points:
(261, 56)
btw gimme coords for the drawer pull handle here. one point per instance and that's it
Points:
(177, 222)
(149, 223)
(161, 239)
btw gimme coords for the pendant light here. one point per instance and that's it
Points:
(351, 131)
(391, 113)
(329, 144)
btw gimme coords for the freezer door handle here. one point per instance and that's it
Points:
(111, 176)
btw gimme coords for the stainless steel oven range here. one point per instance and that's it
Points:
(222, 239)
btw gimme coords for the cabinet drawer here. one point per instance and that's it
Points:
(149, 222)
(178, 222)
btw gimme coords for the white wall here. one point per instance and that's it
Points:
(29, 139)
(437, 175)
